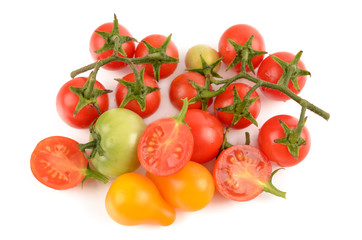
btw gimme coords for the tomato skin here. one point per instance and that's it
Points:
(207, 132)
(134, 199)
(96, 42)
(57, 163)
(156, 41)
(227, 98)
(181, 88)
(67, 101)
(240, 33)
(270, 71)
(152, 99)
(276, 152)
(165, 147)
(190, 189)
(119, 130)
(239, 171)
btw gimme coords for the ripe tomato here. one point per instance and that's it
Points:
(134, 199)
(67, 101)
(57, 163)
(276, 152)
(193, 60)
(156, 41)
(242, 172)
(190, 189)
(153, 99)
(96, 42)
(240, 33)
(227, 99)
(181, 88)
(270, 71)
(117, 131)
(208, 134)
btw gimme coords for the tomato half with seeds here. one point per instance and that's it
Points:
(242, 172)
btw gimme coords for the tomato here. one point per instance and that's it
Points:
(96, 42)
(57, 163)
(166, 145)
(117, 133)
(156, 41)
(227, 99)
(67, 101)
(181, 88)
(207, 132)
(279, 153)
(153, 99)
(134, 199)
(190, 189)
(193, 59)
(271, 71)
(242, 172)
(240, 33)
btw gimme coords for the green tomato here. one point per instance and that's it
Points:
(119, 131)
(193, 60)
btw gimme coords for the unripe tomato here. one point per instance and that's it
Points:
(190, 189)
(193, 59)
(133, 199)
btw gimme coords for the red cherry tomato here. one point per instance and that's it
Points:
(181, 88)
(96, 42)
(67, 101)
(276, 152)
(208, 134)
(156, 41)
(270, 71)
(240, 33)
(165, 147)
(153, 99)
(240, 172)
(227, 98)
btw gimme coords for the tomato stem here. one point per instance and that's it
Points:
(270, 188)
(180, 117)
(90, 173)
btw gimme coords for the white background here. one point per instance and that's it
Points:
(43, 41)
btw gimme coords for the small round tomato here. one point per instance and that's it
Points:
(271, 71)
(117, 132)
(279, 153)
(227, 99)
(57, 163)
(193, 59)
(96, 42)
(153, 99)
(156, 41)
(134, 199)
(181, 88)
(190, 189)
(67, 101)
(208, 134)
(240, 33)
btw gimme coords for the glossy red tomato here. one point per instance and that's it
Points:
(208, 134)
(227, 98)
(276, 152)
(270, 71)
(181, 88)
(240, 33)
(240, 172)
(156, 41)
(67, 101)
(153, 99)
(96, 42)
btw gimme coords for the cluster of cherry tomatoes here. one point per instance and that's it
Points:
(173, 150)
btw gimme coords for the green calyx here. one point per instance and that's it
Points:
(244, 54)
(94, 145)
(137, 90)
(270, 188)
(156, 57)
(207, 70)
(88, 95)
(113, 39)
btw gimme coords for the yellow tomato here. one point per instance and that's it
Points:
(190, 189)
(134, 199)
(193, 60)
